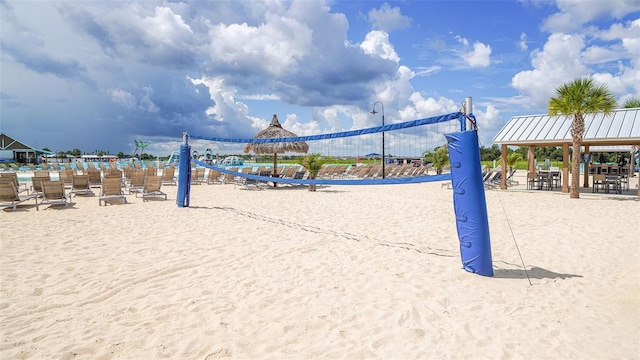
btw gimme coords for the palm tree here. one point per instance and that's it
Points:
(313, 163)
(512, 160)
(578, 98)
(439, 158)
(631, 103)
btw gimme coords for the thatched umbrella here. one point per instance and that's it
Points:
(275, 130)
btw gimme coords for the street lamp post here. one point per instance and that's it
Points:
(375, 112)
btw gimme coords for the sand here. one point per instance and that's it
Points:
(347, 272)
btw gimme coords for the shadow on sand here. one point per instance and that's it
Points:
(534, 273)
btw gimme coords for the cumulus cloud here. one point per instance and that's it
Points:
(574, 14)
(564, 57)
(558, 62)
(388, 18)
(377, 43)
(480, 56)
(476, 56)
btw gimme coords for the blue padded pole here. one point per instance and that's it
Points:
(184, 173)
(469, 203)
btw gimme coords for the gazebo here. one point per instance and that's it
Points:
(620, 129)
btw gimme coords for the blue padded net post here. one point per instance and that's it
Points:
(469, 202)
(184, 173)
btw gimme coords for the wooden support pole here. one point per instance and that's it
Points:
(531, 162)
(503, 179)
(585, 177)
(565, 168)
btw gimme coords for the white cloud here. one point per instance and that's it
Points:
(275, 47)
(227, 112)
(388, 19)
(377, 43)
(556, 63)
(575, 13)
(611, 56)
(462, 40)
(123, 98)
(476, 57)
(480, 56)
(426, 71)
(522, 44)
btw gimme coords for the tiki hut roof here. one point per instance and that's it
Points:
(275, 130)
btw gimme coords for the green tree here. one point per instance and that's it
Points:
(439, 158)
(75, 152)
(630, 103)
(578, 98)
(512, 159)
(313, 163)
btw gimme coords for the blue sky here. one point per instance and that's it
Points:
(96, 75)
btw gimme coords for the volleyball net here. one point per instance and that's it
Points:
(405, 146)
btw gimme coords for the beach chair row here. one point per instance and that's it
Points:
(45, 191)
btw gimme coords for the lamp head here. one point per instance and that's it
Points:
(374, 111)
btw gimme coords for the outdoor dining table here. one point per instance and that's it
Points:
(545, 179)
(613, 182)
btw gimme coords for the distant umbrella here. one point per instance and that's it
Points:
(275, 130)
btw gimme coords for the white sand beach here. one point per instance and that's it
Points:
(347, 272)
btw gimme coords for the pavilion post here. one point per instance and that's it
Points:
(586, 167)
(503, 179)
(632, 160)
(532, 158)
(565, 168)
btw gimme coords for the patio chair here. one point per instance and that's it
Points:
(110, 191)
(95, 177)
(152, 188)
(53, 193)
(533, 182)
(137, 182)
(13, 177)
(599, 182)
(214, 177)
(9, 196)
(197, 176)
(36, 184)
(168, 176)
(66, 176)
(229, 178)
(80, 185)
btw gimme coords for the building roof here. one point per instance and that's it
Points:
(9, 143)
(620, 128)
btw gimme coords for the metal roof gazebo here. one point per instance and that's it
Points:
(621, 128)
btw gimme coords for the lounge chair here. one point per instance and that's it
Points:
(53, 193)
(152, 186)
(9, 196)
(229, 178)
(214, 177)
(168, 176)
(36, 184)
(13, 177)
(197, 176)
(80, 185)
(111, 190)
(95, 177)
(137, 182)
